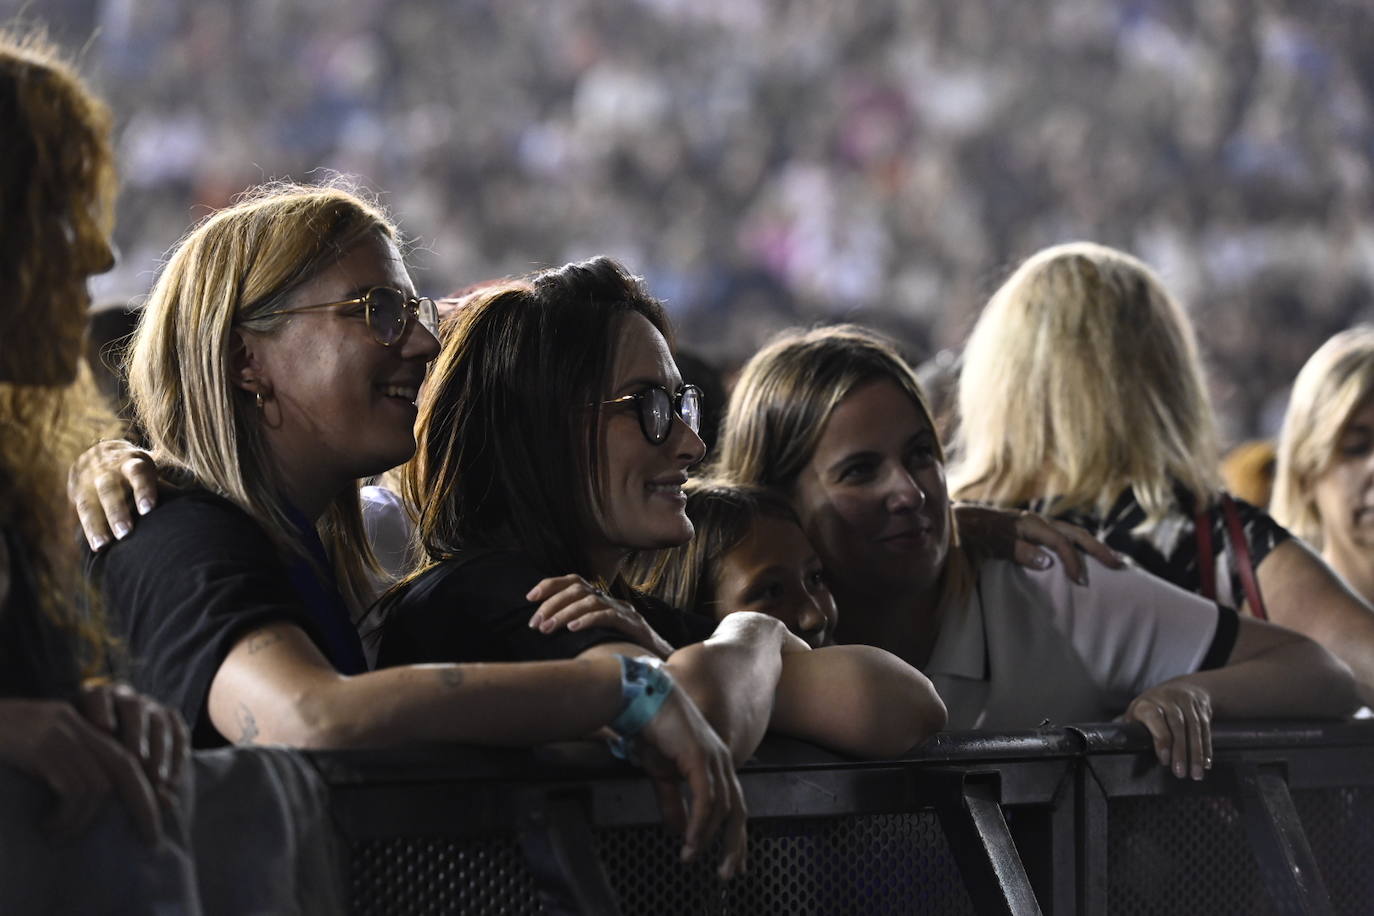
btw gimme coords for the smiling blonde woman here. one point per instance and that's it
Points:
(277, 362)
(835, 419)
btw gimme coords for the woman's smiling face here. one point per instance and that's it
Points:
(640, 504)
(873, 499)
(337, 404)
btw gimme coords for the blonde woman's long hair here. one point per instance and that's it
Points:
(240, 263)
(1082, 379)
(1335, 382)
(57, 186)
(787, 391)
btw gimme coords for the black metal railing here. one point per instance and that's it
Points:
(1061, 820)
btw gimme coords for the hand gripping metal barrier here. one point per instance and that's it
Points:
(1060, 820)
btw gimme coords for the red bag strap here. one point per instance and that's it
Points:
(1242, 547)
(1206, 562)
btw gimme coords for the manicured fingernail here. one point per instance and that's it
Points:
(575, 624)
(1178, 768)
(1165, 756)
(145, 506)
(1042, 561)
(529, 595)
(1206, 763)
(534, 621)
(98, 542)
(121, 530)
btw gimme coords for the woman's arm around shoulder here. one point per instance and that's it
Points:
(104, 483)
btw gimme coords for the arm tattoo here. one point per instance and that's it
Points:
(450, 677)
(248, 726)
(261, 640)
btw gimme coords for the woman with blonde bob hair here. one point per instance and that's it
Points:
(835, 419)
(1082, 396)
(1082, 345)
(277, 363)
(1323, 490)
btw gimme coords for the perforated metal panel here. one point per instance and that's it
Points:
(891, 863)
(1166, 855)
(1191, 854)
(881, 864)
(1184, 854)
(1340, 828)
(433, 875)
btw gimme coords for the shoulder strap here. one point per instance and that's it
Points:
(1242, 547)
(1206, 561)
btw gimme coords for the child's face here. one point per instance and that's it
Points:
(775, 571)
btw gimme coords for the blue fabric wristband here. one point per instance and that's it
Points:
(644, 687)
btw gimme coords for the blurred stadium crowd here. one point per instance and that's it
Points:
(765, 163)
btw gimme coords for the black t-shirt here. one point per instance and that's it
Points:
(473, 609)
(195, 575)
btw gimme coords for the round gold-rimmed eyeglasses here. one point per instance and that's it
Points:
(386, 310)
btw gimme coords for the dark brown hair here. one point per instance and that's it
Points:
(507, 431)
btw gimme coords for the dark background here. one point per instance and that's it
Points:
(766, 163)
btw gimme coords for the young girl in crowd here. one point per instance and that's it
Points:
(836, 420)
(277, 362)
(1324, 489)
(1082, 396)
(555, 438)
(748, 554)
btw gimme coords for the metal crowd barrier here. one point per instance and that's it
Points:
(1077, 820)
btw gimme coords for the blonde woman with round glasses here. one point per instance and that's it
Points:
(1324, 489)
(277, 363)
(1082, 396)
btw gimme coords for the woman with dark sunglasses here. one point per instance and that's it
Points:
(555, 437)
(277, 362)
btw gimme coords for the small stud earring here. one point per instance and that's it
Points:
(258, 397)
